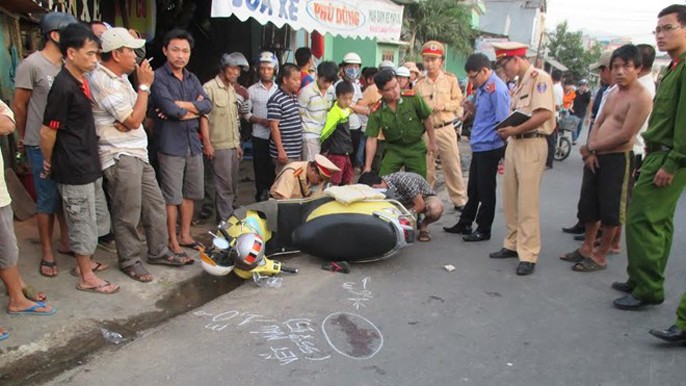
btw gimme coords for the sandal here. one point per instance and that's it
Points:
(137, 271)
(99, 289)
(174, 260)
(588, 265)
(47, 264)
(31, 293)
(573, 257)
(194, 245)
(99, 267)
(424, 236)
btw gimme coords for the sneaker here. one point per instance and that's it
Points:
(108, 246)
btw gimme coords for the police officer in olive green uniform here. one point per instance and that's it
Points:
(403, 119)
(650, 225)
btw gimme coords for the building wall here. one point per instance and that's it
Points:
(335, 47)
(513, 19)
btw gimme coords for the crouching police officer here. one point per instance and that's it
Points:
(302, 179)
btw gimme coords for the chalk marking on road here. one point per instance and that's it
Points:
(376, 329)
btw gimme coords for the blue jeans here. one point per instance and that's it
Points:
(49, 200)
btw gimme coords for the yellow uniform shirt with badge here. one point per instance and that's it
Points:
(446, 91)
(292, 182)
(535, 91)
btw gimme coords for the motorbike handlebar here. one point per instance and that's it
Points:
(289, 269)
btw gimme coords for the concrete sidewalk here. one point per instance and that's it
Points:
(40, 347)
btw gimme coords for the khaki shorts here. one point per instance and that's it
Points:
(9, 251)
(86, 214)
(181, 178)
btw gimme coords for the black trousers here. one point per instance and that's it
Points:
(481, 189)
(355, 135)
(552, 144)
(263, 167)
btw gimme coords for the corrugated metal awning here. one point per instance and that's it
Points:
(556, 64)
(23, 6)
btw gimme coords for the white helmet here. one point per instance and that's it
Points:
(386, 64)
(352, 58)
(249, 251)
(402, 71)
(219, 264)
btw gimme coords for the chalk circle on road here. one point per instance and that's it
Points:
(352, 335)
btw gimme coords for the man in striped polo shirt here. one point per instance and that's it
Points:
(284, 118)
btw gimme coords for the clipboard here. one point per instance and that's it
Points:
(515, 119)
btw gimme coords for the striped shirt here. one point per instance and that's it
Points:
(259, 95)
(113, 100)
(313, 108)
(283, 108)
(407, 186)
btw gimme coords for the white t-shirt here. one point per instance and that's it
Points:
(647, 82)
(559, 94)
(4, 194)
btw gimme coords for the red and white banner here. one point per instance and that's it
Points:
(381, 19)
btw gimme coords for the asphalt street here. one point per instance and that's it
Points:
(408, 321)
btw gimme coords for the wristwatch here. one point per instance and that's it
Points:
(144, 88)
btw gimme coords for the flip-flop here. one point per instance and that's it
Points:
(97, 289)
(184, 255)
(31, 293)
(573, 257)
(33, 310)
(97, 268)
(49, 264)
(424, 236)
(588, 265)
(194, 245)
(4, 335)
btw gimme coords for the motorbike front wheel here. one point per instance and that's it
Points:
(563, 149)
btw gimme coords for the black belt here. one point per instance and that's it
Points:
(439, 126)
(656, 147)
(529, 135)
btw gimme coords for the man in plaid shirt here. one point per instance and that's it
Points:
(413, 191)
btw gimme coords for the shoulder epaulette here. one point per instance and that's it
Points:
(490, 87)
(408, 93)
(376, 105)
(297, 172)
(450, 74)
(534, 74)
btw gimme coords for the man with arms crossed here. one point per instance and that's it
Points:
(180, 100)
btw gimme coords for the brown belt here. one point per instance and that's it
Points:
(529, 135)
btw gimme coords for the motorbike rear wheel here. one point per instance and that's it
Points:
(563, 148)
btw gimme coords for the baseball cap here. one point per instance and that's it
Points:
(604, 60)
(115, 38)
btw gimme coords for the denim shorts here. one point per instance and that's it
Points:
(48, 196)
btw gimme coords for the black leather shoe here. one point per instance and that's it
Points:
(575, 230)
(630, 303)
(673, 334)
(459, 208)
(622, 287)
(525, 268)
(580, 237)
(458, 228)
(503, 254)
(477, 236)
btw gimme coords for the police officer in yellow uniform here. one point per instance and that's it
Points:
(302, 179)
(525, 155)
(402, 118)
(442, 93)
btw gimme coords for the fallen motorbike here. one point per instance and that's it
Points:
(361, 231)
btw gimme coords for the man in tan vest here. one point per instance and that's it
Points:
(525, 155)
(442, 93)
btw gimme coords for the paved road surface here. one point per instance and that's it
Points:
(407, 321)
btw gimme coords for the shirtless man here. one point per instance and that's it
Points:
(606, 158)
